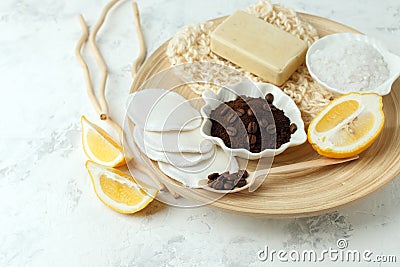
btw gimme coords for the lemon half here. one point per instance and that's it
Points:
(99, 146)
(118, 190)
(347, 126)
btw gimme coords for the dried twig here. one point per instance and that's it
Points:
(100, 60)
(88, 80)
(78, 48)
(142, 46)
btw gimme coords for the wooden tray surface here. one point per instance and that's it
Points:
(311, 192)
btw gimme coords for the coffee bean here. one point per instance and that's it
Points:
(263, 122)
(241, 183)
(252, 139)
(256, 149)
(213, 176)
(231, 118)
(270, 98)
(271, 129)
(211, 183)
(231, 131)
(293, 128)
(231, 177)
(250, 112)
(224, 110)
(240, 112)
(228, 186)
(241, 174)
(252, 127)
(227, 181)
(225, 174)
(219, 185)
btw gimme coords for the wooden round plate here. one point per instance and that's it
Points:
(311, 192)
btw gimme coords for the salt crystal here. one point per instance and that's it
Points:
(352, 66)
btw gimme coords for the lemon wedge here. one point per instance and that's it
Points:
(99, 146)
(347, 126)
(118, 190)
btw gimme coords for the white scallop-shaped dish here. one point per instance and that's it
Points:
(231, 92)
(392, 60)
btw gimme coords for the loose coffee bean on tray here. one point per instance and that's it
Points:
(228, 186)
(241, 183)
(242, 173)
(228, 181)
(270, 98)
(219, 185)
(251, 123)
(213, 176)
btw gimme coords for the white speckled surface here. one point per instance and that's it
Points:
(49, 214)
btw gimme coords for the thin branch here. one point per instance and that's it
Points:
(100, 60)
(142, 45)
(88, 80)
(86, 73)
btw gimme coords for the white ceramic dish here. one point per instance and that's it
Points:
(231, 92)
(392, 60)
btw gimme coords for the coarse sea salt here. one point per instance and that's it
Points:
(351, 66)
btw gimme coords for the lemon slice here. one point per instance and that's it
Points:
(118, 190)
(347, 126)
(99, 146)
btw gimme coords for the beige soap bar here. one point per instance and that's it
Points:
(258, 47)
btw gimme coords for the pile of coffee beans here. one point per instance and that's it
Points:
(227, 181)
(251, 123)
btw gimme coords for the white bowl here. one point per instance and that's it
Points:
(392, 60)
(231, 92)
